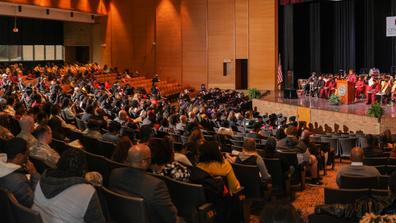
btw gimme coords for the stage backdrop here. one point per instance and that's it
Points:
(326, 36)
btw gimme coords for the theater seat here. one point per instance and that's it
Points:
(122, 208)
(280, 181)
(249, 177)
(358, 182)
(40, 165)
(322, 218)
(5, 207)
(23, 214)
(190, 201)
(343, 196)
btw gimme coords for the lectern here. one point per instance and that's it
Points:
(346, 91)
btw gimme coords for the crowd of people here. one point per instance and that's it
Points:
(144, 127)
(373, 87)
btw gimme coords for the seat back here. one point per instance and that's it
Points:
(274, 168)
(390, 168)
(391, 161)
(99, 164)
(236, 142)
(90, 144)
(105, 149)
(39, 164)
(186, 197)
(58, 145)
(346, 145)
(383, 182)
(297, 177)
(380, 192)
(23, 214)
(375, 161)
(249, 178)
(124, 209)
(332, 141)
(343, 196)
(5, 206)
(382, 169)
(348, 182)
(80, 124)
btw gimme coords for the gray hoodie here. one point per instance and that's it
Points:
(13, 178)
(67, 199)
(249, 159)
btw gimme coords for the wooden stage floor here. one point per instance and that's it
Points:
(358, 108)
(329, 118)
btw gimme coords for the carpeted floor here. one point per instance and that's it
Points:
(306, 200)
(314, 195)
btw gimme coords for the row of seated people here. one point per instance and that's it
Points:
(43, 135)
(374, 88)
(363, 194)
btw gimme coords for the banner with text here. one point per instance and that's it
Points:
(391, 26)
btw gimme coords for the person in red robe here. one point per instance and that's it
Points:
(351, 76)
(360, 88)
(372, 91)
(331, 87)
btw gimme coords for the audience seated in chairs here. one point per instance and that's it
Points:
(291, 144)
(120, 153)
(211, 160)
(27, 126)
(181, 152)
(372, 149)
(135, 181)
(41, 149)
(163, 163)
(93, 129)
(249, 156)
(377, 205)
(13, 170)
(357, 169)
(113, 135)
(62, 194)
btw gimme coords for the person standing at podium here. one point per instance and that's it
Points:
(352, 76)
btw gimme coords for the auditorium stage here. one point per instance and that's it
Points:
(326, 117)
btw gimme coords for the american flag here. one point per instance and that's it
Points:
(280, 75)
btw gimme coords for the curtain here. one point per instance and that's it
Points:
(315, 37)
(344, 35)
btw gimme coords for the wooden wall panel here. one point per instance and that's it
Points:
(241, 29)
(263, 46)
(169, 50)
(221, 42)
(194, 40)
(143, 22)
(121, 35)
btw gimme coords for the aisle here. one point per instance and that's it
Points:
(314, 195)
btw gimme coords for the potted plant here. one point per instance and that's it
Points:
(334, 100)
(376, 111)
(253, 93)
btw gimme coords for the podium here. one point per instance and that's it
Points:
(346, 91)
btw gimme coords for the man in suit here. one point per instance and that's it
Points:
(135, 181)
(357, 169)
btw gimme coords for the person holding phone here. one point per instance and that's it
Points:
(17, 174)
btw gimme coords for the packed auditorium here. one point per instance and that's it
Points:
(198, 111)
